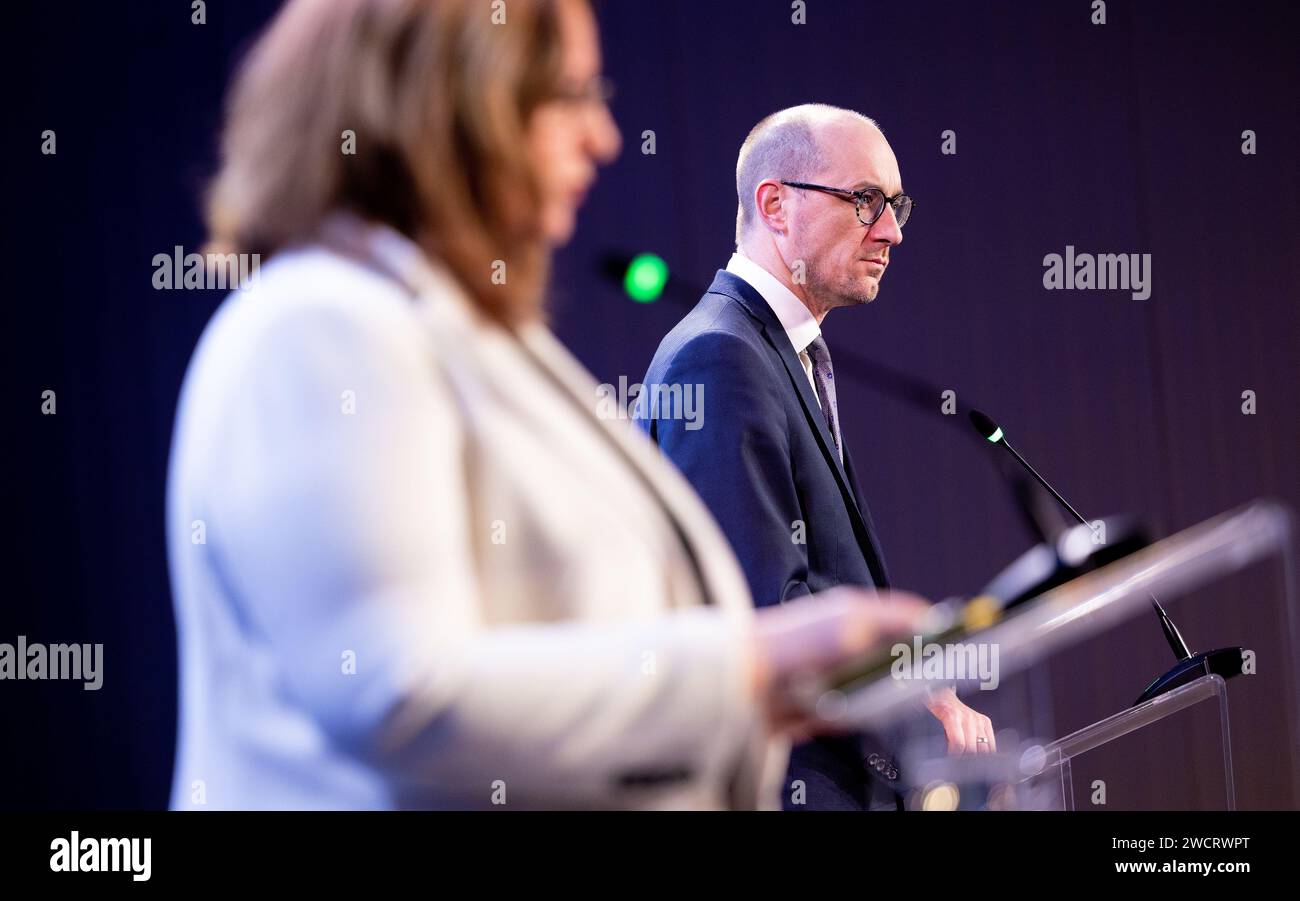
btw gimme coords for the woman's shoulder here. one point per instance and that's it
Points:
(315, 280)
(361, 273)
(313, 292)
(310, 313)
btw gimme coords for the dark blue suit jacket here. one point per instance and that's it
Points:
(759, 452)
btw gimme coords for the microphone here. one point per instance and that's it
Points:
(1224, 661)
(1172, 635)
(991, 432)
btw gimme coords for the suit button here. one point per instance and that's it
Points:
(873, 759)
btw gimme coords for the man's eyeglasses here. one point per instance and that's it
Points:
(869, 202)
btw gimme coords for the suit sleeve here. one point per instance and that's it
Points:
(738, 459)
(340, 514)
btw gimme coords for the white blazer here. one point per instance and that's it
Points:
(412, 568)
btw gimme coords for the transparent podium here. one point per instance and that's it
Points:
(1099, 750)
(1172, 752)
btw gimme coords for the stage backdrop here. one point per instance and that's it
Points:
(1022, 129)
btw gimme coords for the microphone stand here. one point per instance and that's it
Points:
(1226, 662)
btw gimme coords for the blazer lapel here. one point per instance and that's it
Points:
(394, 255)
(730, 285)
(685, 513)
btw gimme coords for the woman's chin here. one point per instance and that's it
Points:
(558, 226)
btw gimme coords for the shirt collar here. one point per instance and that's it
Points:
(800, 325)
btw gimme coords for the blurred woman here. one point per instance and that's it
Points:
(411, 566)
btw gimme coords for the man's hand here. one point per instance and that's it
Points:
(964, 727)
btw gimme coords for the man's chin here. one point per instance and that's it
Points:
(862, 296)
(855, 295)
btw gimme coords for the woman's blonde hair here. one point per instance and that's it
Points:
(437, 96)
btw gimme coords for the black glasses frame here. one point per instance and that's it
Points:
(859, 199)
(599, 90)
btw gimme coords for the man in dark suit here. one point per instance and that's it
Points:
(820, 208)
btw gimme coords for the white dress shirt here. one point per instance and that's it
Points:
(800, 325)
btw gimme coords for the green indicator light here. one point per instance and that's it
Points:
(996, 436)
(645, 278)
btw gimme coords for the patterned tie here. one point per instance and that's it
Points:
(824, 379)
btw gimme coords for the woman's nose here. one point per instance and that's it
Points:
(603, 138)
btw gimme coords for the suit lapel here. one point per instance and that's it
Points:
(876, 559)
(739, 290)
(748, 296)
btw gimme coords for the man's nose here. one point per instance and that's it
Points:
(885, 230)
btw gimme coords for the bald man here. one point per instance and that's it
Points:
(821, 207)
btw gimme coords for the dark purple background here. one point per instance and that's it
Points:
(1122, 138)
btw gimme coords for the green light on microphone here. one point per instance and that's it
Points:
(645, 277)
(996, 436)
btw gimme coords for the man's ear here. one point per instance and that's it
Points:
(768, 202)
